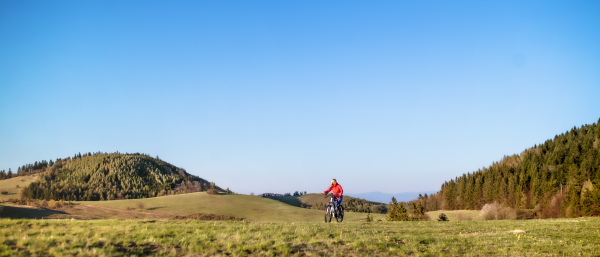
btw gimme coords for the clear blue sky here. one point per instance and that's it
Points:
(278, 96)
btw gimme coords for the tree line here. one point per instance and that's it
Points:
(400, 211)
(353, 205)
(559, 178)
(38, 166)
(6, 175)
(103, 176)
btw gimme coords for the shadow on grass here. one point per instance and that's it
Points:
(291, 200)
(13, 212)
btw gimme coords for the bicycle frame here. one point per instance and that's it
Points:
(332, 210)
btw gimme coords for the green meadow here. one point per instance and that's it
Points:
(249, 208)
(199, 224)
(118, 237)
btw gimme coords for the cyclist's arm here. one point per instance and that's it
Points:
(328, 190)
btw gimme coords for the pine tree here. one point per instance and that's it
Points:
(396, 211)
(443, 217)
(559, 166)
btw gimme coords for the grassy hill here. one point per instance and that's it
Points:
(251, 208)
(104, 176)
(12, 186)
(243, 206)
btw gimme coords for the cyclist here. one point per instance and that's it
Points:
(338, 192)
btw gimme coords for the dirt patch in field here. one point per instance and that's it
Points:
(517, 231)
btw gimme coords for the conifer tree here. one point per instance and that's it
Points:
(558, 167)
(396, 211)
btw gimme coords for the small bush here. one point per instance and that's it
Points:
(493, 211)
(4, 192)
(525, 214)
(212, 191)
(369, 219)
(443, 217)
(141, 205)
(552, 209)
(507, 213)
(52, 204)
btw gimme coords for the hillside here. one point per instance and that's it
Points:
(9, 188)
(192, 205)
(242, 206)
(103, 176)
(559, 178)
(318, 201)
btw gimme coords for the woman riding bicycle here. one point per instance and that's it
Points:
(337, 192)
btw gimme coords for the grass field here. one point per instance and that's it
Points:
(13, 185)
(251, 208)
(272, 228)
(115, 237)
(460, 215)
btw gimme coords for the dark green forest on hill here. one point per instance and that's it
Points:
(559, 178)
(103, 176)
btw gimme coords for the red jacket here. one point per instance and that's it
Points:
(337, 190)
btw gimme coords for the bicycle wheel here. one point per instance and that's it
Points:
(327, 215)
(340, 216)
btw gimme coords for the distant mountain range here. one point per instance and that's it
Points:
(386, 198)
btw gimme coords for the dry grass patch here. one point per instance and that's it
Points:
(457, 215)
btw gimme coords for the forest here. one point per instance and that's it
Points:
(558, 178)
(103, 176)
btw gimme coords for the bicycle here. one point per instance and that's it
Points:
(332, 211)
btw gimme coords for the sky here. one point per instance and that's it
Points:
(279, 96)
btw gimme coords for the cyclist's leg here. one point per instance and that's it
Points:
(339, 203)
(335, 203)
